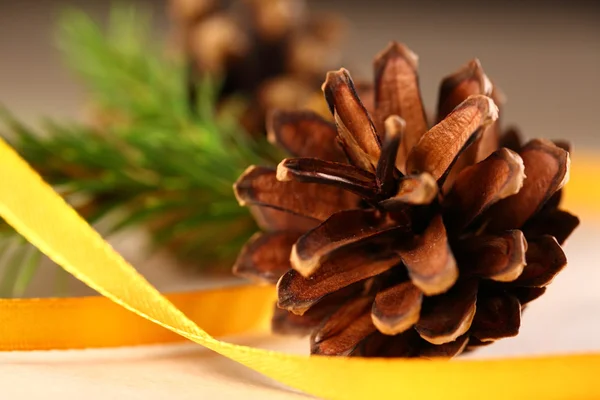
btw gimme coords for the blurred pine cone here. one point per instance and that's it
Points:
(389, 238)
(271, 52)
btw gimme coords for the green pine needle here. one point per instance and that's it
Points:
(148, 158)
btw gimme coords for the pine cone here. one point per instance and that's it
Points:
(374, 250)
(269, 51)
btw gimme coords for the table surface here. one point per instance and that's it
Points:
(565, 320)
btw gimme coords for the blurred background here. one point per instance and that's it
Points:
(544, 55)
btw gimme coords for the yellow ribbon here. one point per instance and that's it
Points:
(84, 322)
(43, 218)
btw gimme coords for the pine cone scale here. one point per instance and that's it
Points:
(499, 258)
(467, 81)
(554, 222)
(271, 219)
(442, 144)
(397, 92)
(342, 229)
(527, 294)
(547, 170)
(397, 308)
(497, 177)
(266, 256)
(446, 317)
(286, 322)
(297, 294)
(418, 189)
(345, 329)
(356, 131)
(304, 134)
(446, 350)
(545, 259)
(259, 186)
(498, 316)
(313, 170)
(429, 259)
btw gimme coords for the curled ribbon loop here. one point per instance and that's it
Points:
(43, 218)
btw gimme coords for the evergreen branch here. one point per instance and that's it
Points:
(146, 159)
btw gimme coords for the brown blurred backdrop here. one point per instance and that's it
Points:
(545, 55)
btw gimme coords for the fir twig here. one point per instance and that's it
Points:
(146, 158)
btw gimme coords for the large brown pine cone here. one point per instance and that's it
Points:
(389, 238)
(272, 52)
